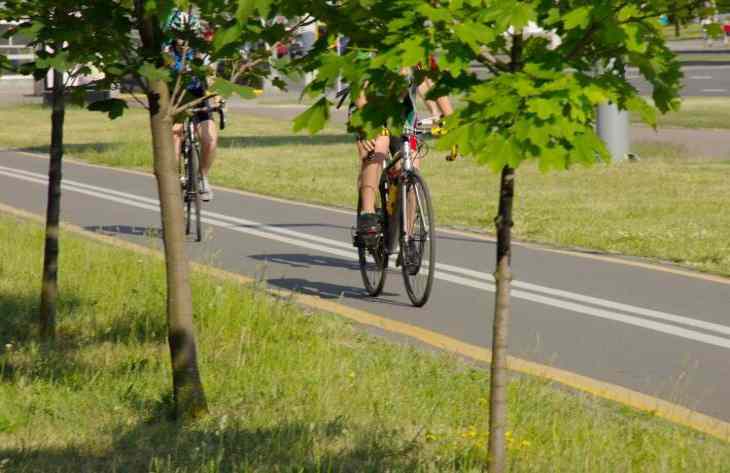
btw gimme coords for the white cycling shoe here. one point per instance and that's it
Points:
(206, 193)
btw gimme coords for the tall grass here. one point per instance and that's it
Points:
(290, 390)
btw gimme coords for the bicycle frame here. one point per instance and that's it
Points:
(406, 158)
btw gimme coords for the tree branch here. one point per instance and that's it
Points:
(192, 103)
(174, 95)
(494, 65)
(245, 67)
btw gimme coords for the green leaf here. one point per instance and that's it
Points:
(264, 7)
(595, 94)
(588, 148)
(521, 14)
(152, 73)
(644, 109)
(77, 96)
(57, 61)
(500, 151)
(245, 9)
(314, 118)
(226, 88)
(29, 30)
(329, 70)
(552, 157)
(544, 108)
(578, 18)
(113, 107)
(474, 34)
(413, 51)
(635, 41)
(227, 36)
(715, 30)
(434, 14)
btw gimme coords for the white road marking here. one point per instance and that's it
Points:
(474, 279)
(700, 77)
(713, 91)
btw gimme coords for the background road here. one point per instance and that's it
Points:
(699, 81)
(658, 332)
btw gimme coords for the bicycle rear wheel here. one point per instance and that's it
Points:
(192, 194)
(373, 259)
(418, 242)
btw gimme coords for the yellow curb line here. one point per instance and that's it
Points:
(534, 246)
(658, 407)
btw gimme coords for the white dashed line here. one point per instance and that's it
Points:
(680, 326)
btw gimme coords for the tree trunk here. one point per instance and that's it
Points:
(500, 331)
(49, 285)
(187, 388)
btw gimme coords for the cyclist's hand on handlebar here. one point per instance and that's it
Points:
(368, 145)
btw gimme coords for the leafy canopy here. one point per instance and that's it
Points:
(529, 73)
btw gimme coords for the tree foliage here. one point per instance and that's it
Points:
(547, 66)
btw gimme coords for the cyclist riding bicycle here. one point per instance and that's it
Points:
(372, 153)
(182, 56)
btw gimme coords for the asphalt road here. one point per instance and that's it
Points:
(658, 332)
(699, 81)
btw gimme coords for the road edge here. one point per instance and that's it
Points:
(666, 410)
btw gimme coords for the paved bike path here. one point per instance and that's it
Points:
(658, 332)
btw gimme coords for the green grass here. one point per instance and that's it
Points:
(718, 58)
(289, 390)
(699, 112)
(690, 31)
(671, 206)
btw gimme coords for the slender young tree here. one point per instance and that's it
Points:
(49, 287)
(124, 38)
(235, 25)
(69, 37)
(537, 102)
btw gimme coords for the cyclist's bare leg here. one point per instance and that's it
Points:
(433, 106)
(208, 133)
(444, 104)
(177, 136)
(441, 107)
(371, 167)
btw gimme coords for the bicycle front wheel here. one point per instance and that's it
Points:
(193, 193)
(418, 241)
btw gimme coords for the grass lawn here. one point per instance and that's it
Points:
(668, 206)
(690, 31)
(699, 112)
(718, 58)
(289, 390)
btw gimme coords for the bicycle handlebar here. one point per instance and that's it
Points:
(220, 109)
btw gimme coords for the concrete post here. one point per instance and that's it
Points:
(612, 126)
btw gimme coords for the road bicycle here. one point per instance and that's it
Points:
(189, 165)
(403, 203)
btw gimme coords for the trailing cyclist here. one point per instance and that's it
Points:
(180, 24)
